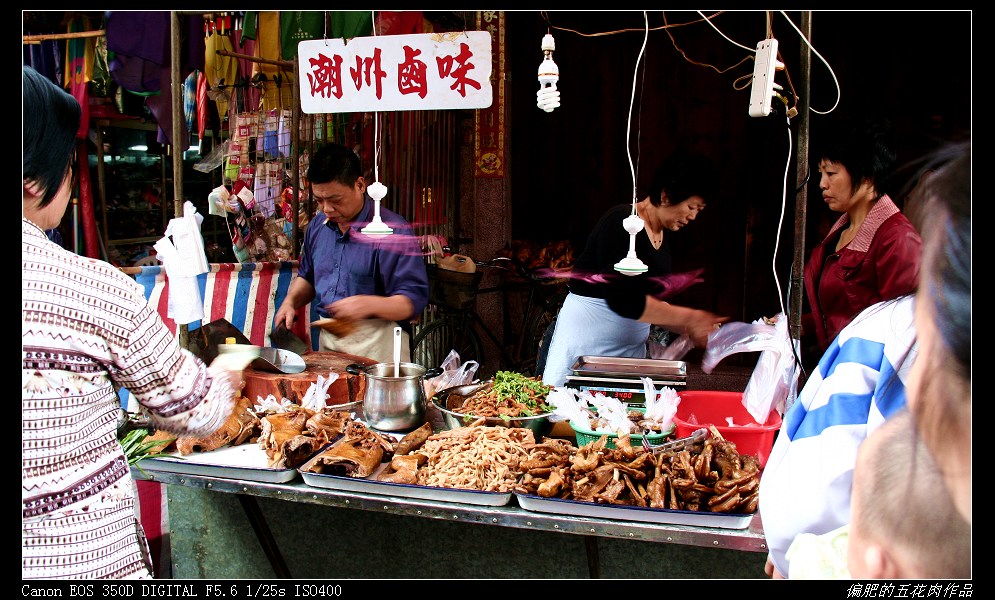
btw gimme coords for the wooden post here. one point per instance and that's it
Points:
(295, 156)
(179, 144)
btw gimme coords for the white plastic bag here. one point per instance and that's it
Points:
(453, 374)
(775, 378)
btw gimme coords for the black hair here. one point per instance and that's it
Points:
(864, 146)
(334, 162)
(50, 118)
(682, 176)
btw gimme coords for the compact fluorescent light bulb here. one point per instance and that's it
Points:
(548, 97)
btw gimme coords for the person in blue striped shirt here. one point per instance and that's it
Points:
(858, 384)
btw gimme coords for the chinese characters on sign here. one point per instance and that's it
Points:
(490, 122)
(396, 72)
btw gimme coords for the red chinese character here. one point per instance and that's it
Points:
(459, 73)
(326, 76)
(366, 66)
(411, 74)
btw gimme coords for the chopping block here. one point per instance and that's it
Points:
(293, 387)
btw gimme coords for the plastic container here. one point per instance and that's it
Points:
(702, 408)
(586, 436)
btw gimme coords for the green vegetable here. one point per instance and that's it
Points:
(136, 447)
(527, 390)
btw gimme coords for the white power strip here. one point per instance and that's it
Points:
(762, 87)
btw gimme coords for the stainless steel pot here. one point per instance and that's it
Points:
(394, 403)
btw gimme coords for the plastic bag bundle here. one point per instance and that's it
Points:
(317, 394)
(567, 407)
(775, 378)
(660, 406)
(614, 411)
(454, 373)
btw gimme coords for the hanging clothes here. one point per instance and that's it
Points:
(298, 26)
(221, 71)
(277, 83)
(79, 69)
(247, 47)
(400, 22)
(202, 108)
(190, 100)
(140, 41)
(351, 23)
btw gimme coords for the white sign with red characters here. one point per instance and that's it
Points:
(423, 71)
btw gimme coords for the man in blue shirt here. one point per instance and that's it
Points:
(377, 282)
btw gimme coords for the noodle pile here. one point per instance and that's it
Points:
(475, 458)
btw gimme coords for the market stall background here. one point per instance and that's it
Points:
(564, 168)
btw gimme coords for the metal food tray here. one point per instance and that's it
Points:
(630, 367)
(245, 461)
(372, 486)
(634, 513)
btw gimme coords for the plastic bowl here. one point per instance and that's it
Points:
(703, 408)
(539, 424)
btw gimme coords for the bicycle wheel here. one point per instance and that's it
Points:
(536, 329)
(434, 342)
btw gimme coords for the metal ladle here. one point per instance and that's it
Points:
(397, 352)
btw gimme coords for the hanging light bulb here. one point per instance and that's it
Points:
(376, 190)
(631, 265)
(548, 97)
(377, 227)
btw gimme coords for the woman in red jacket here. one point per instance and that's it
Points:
(872, 252)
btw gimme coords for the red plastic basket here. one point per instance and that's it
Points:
(702, 408)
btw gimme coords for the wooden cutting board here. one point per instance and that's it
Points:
(293, 387)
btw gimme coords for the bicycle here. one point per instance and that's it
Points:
(458, 326)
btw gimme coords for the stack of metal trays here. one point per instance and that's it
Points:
(621, 377)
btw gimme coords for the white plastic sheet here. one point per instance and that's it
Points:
(183, 259)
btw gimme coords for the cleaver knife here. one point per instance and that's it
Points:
(283, 338)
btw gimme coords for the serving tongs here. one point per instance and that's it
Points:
(676, 445)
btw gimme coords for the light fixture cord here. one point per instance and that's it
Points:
(376, 121)
(632, 102)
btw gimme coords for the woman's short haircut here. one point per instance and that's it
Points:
(50, 120)
(682, 176)
(864, 146)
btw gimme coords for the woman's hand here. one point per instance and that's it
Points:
(701, 324)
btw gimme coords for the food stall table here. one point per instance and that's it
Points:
(194, 513)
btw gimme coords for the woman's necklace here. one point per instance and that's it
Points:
(656, 239)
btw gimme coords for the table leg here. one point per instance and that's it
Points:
(593, 562)
(264, 535)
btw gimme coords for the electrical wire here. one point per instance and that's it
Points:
(831, 72)
(777, 240)
(707, 20)
(780, 222)
(632, 101)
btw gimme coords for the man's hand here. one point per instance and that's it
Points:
(354, 308)
(285, 315)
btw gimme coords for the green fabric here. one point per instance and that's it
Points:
(249, 24)
(297, 26)
(351, 23)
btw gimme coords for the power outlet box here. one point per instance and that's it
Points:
(762, 87)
